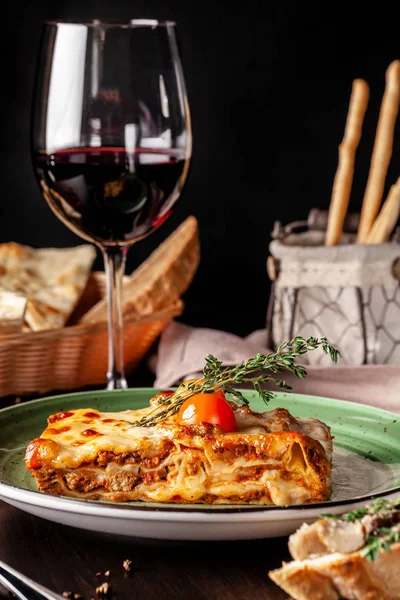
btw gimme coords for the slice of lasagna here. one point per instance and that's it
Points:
(270, 458)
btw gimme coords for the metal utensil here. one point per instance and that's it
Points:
(23, 587)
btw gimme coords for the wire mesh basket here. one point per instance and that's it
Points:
(75, 356)
(349, 293)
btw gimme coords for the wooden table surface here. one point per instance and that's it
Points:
(69, 559)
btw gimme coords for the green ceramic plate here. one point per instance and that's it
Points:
(366, 464)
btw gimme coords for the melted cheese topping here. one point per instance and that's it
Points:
(86, 432)
(272, 457)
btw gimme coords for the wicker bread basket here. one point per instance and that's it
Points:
(75, 356)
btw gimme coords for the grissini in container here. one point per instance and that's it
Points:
(382, 151)
(387, 219)
(345, 171)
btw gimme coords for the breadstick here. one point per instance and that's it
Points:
(387, 218)
(345, 170)
(382, 151)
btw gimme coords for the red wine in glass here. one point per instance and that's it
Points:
(109, 196)
(111, 140)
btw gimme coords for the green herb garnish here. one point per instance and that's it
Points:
(377, 505)
(215, 375)
(352, 516)
(379, 540)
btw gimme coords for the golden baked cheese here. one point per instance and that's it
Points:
(271, 458)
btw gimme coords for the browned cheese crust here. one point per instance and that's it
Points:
(272, 458)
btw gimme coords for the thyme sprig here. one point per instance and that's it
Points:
(216, 375)
(379, 540)
(382, 537)
(378, 505)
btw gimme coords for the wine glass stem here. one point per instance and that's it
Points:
(114, 263)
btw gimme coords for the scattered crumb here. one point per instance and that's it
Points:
(17, 401)
(105, 574)
(104, 590)
(127, 564)
(78, 597)
(68, 595)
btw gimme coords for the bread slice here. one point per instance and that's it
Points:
(347, 576)
(329, 562)
(12, 312)
(162, 278)
(50, 279)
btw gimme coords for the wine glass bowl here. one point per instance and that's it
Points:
(111, 139)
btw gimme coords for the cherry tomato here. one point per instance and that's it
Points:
(208, 408)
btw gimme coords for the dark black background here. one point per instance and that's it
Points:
(269, 86)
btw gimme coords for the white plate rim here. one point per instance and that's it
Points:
(133, 513)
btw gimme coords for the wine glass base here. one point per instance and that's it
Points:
(116, 382)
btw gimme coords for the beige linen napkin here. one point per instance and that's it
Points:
(182, 350)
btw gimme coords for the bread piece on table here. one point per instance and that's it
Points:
(348, 576)
(329, 561)
(326, 536)
(50, 279)
(162, 277)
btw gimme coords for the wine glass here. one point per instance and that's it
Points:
(111, 140)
